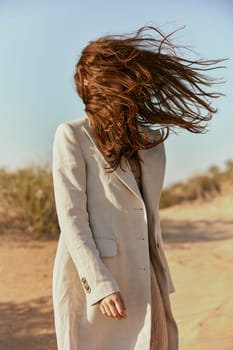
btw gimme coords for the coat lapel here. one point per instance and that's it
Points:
(125, 175)
(152, 175)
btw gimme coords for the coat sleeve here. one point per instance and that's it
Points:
(69, 181)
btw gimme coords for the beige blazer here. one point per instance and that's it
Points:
(103, 246)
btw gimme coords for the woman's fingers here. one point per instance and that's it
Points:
(120, 307)
(102, 309)
(110, 309)
(113, 306)
(107, 310)
(114, 310)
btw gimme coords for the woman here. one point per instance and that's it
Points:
(111, 280)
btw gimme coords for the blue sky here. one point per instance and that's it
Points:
(40, 43)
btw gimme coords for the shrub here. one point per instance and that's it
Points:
(199, 187)
(30, 190)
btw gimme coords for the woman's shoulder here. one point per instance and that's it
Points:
(70, 129)
(68, 134)
(151, 134)
(67, 144)
(72, 125)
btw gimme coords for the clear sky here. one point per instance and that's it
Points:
(40, 43)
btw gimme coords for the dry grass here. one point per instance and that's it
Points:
(202, 187)
(27, 197)
(28, 200)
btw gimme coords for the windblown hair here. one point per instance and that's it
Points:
(134, 82)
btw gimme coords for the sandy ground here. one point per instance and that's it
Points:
(199, 252)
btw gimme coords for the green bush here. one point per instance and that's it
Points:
(30, 191)
(199, 187)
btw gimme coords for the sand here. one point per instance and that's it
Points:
(199, 251)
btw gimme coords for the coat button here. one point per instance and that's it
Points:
(88, 289)
(83, 279)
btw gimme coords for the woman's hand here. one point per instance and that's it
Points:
(113, 306)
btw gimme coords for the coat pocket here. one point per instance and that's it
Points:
(106, 246)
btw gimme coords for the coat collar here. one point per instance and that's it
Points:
(148, 168)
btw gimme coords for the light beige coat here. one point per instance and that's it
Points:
(103, 246)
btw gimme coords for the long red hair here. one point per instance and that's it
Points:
(137, 79)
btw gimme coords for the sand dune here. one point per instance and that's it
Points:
(199, 244)
(203, 302)
(199, 251)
